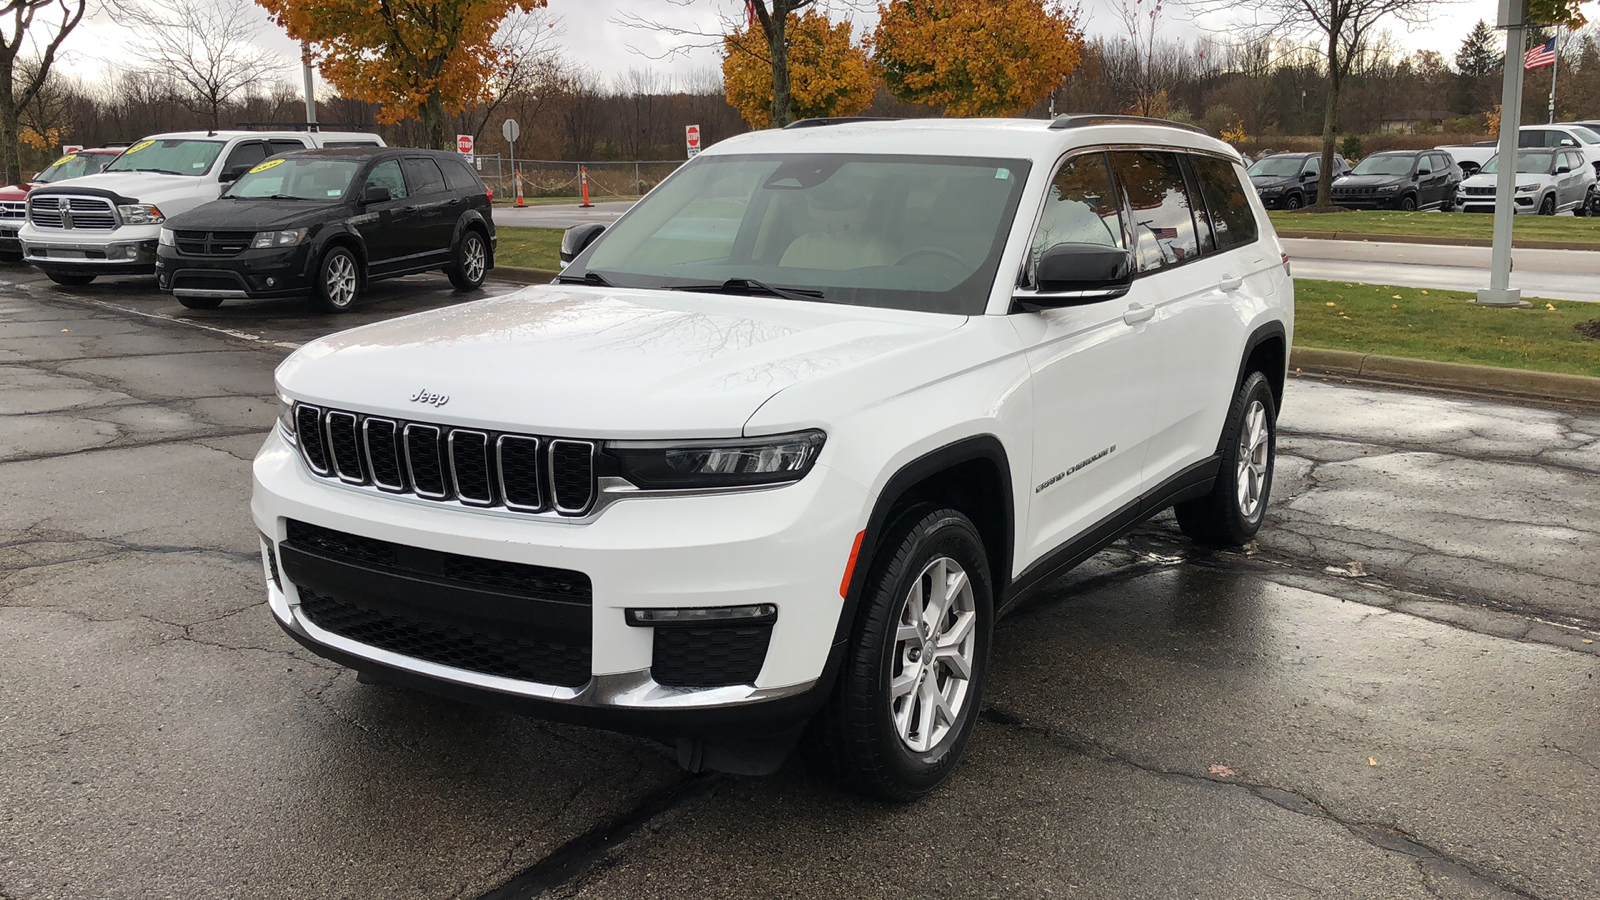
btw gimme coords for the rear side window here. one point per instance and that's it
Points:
(247, 154)
(1233, 222)
(284, 146)
(1081, 207)
(424, 175)
(1163, 217)
(460, 177)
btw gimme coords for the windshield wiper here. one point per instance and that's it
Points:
(587, 278)
(749, 286)
(159, 171)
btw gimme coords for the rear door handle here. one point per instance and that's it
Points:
(1232, 282)
(1137, 314)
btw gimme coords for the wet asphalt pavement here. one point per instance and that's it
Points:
(1391, 695)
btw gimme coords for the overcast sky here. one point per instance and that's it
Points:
(593, 35)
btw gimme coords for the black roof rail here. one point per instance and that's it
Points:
(838, 120)
(300, 126)
(1062, 123)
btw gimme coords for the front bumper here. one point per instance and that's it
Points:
(254, 274)
(786, 547)
(1367, 201)
(123, 251)
(1523, 203)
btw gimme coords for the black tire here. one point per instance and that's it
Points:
(855, 737)
(1586, 208)
(200, 302)
(339, 281)
(1221, 519)
(471, 264)
(70, 279)
(1449, 204)
(1547, 206)
(1294, 201)
(1408, 202)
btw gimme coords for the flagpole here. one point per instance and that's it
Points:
(1555, 64)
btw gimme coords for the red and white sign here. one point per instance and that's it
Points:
(464, 144)
(71, 148)
(691, 137)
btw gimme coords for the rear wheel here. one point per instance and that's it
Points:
(471, 262)
(71, 279)
(908, 695)
(1586, 208)
(200, 302)
(1231, 514)
(338, 282)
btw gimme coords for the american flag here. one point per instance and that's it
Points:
(1540, 56)
(1165, 234)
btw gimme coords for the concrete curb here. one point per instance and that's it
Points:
(1423, 239)
(1459, 376)
(520, 275)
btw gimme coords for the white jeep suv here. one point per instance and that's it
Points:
(772, 454)
(109, 223)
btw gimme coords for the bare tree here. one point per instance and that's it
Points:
(31, 32)
(1340, 29)
(205, 46)
(528, 67)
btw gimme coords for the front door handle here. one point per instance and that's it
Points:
(1137, 314)
(1232, 282)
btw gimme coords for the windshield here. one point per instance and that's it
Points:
(74, 165)
(918, 233)
(1529, 162)
(296, 178)
(1383, 165)
(1278, 166)
(1584, 133)
(173, 156)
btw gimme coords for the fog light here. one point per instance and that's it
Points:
(756, 614)
(272, 282)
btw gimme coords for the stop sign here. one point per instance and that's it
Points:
(691, 137)
(464, 144)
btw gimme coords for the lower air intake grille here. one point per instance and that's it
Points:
(709, 657)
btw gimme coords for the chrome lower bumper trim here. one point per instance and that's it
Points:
(205, 293)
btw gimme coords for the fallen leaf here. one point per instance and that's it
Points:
(1394, 306)
(63, 331)
(1351, 569)
(1587, 641)
(1424, 292)
(1371, 761)
(1222, 771)
(1330, 304)
(1397, 296)
(1550, 306)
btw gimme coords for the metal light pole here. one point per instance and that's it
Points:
(1513, 18)
(311, 95)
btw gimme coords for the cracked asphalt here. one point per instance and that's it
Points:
(1392, 694)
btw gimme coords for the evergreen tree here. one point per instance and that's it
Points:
(1477, 69)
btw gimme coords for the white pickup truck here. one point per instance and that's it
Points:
(1472, 157)
(108, 224)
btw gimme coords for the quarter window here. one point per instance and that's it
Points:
(387, 174)
(1162, 216)
(1232, 219)
(1081, 207)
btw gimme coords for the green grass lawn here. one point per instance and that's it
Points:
(1569, 229)
(1441, 325)
(530, 248)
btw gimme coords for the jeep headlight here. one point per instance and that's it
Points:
(166, 238)
(267, 239)
(286, 417)
(732, 462)
(1527, 188)
(1272, 190)
(1389, 188)
(140, 214)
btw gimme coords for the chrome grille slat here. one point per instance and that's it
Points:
(518, 473)
(85, 213)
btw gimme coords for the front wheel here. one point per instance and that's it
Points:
(908, 695)
(338, 282)
(1231, 514)
(70, 279)
(1293, 202)
(1548, 206)
(1408, 203)
(471, 262)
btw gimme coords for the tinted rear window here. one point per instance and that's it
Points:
(1232, 219)
(459, 175)
(1163, 223)
(423, 175)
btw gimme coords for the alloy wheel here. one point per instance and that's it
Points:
(341, 280)
(473, 259)
(935, 644)
(1251, 465)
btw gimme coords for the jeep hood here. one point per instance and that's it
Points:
(598, 362)
(1370, 180)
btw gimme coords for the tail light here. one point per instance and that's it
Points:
(1286, 265)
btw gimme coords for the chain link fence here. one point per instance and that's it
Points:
(561, 178)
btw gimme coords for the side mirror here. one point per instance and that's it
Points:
(1562, 170)
(577, 239)
(1568, 142)
(375, 193)
(1307, 176)
(1075, 274)
(232, 173)
(1424, 171)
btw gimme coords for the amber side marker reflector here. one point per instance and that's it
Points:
(850, 567)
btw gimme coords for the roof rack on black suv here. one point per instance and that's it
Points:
(1081, 121)
(838, 120)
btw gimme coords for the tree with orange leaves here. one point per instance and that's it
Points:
(415, 58)
(829, 75)
(975, 57)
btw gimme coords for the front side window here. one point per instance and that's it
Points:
(1080, 207)
(917, 233)
(296, 178)
(387, 175)
(1163, 218)
(173, 156)
(1232, 219)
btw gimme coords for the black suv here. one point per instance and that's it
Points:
(1289, 180)
(1401, 179)
(326, 222)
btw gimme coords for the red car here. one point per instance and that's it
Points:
(13, 198)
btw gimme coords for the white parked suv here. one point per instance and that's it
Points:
(1548, 182)
(778, 447)
(108, 224)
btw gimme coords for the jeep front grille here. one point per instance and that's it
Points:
(80, 213)
(518, 472)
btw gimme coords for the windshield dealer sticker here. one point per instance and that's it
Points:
(1002, 174)
(263, 166)
(137, 147)
(65, 159)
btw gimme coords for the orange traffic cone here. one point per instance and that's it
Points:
(517, 178)
(583, 177)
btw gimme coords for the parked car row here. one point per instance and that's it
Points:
(221, 215)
